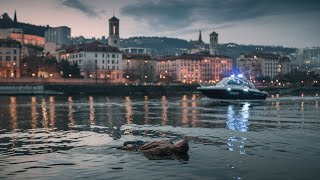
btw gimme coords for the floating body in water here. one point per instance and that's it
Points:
(164, 149)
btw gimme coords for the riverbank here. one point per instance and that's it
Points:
(106, 89)
(122, 89)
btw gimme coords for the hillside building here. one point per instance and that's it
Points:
(56, 38)
(199, 46)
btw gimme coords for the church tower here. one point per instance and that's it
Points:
(214, 43)
(114, 38)
(200, 37)
(15, 17)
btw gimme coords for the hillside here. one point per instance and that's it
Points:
(169, 46)
(7, 22)
(158, 45)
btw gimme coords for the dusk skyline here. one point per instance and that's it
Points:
(288, 23)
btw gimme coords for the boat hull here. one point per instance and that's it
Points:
(233, 94)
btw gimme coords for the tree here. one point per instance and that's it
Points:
(69, 70)
(89, 67)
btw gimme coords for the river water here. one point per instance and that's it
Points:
(72, 137)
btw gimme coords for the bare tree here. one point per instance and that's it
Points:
(89, 67)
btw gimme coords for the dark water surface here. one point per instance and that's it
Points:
(60, 137)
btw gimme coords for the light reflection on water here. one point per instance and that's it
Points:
(226, 136)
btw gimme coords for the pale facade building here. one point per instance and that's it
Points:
(193, 68)
(263, 65)
(96, 60)
(10, 57)
(134, 50)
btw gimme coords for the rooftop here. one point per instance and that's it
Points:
(92, 47)
(114, 19)
(137, 56)
(9, 42)
(193, 57)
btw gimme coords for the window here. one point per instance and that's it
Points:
(14, 51)
(103, 55)
(8, 58)
(14, 58)
(113, 56)
(8, 52)
(102, 61)
(0, 58)
(96, 55)
(108, 55)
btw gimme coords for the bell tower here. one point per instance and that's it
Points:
(114, 38)
(214, 43)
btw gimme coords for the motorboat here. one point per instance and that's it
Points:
(233, 88)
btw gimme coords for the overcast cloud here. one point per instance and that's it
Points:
(182, 13)
(81, 6)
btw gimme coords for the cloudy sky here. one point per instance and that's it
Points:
(293, 23)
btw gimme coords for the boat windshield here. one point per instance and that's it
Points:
(236, 82)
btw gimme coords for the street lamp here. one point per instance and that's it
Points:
(145, 77)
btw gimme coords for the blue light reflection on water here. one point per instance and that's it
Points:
(238, 122)
(74, 134)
